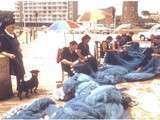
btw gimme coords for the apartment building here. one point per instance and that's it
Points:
(44, 12)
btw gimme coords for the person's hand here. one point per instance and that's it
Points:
(82, 60)
(74, 63)
(155, 55)
(86, 57)
(11, 56)
(139, 69)
(120, 50)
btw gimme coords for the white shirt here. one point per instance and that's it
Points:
(12, 35)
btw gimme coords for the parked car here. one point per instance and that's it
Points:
(100, 29)
(121, 27)
(154, 30)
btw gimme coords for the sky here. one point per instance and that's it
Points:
(87, 5)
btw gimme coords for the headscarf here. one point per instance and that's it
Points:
(5, 22)
(85, 37)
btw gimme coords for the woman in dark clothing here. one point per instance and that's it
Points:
(84, 53)
(84, 47)
(105, 45)
(10, 47)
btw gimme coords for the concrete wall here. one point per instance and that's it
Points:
(5, 79)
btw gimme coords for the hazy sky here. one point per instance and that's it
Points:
(86, 5)
(152, 5)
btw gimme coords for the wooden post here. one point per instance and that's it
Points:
(26, 37)
(5, 79)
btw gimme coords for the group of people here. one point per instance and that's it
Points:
(78, 58)
(125, 39)
(116, 51)
(75, 58)
(76, 55)
(112, 45)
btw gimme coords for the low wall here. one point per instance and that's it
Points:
(5, 79)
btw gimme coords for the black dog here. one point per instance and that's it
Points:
(28, 86)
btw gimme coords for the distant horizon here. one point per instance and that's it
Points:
(87, 5)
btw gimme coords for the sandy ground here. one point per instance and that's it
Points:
(41, 53)
(147, 96)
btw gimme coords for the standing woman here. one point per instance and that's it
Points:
(10, 47)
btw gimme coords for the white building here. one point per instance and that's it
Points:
(44, 12)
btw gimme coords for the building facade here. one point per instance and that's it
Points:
(130, 12)
(4, 14)
(44, 12)
(109, 16)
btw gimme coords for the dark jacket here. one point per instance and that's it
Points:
(11, 45)
(84, 49)
(66, 54)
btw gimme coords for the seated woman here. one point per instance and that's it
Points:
(84, 52)
(109, 47)
(131, 57)
(107, 44)
(154, 50)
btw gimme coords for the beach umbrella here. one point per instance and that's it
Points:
(63, 26)
(92, 15)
